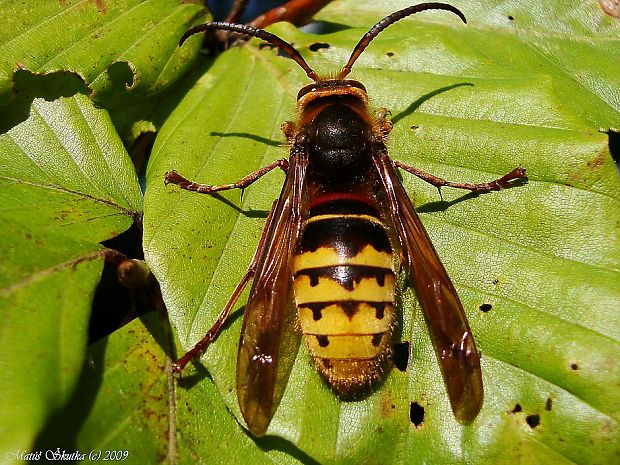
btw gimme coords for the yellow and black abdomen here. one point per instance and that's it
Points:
(344, 287)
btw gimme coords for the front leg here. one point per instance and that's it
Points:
(516, 176)
(172, 177)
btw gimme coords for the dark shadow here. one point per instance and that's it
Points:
(442, 205)
(256, 213)
(269, 443)
(246, 213)
(614, 146)
(324, 27)
(63, 427)
(160, 330)
(195, 375)
(415, 105)
(245, 135)
(114, 305)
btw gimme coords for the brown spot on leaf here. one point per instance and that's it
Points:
(101, 6)
(387, 406)
(597, 162)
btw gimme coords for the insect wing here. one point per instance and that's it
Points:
(268, 310)
(450, 332)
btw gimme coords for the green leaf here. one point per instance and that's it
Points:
(126, 402)
(74, 175)
(469, 102)
(105, 43)
(66, 183)
(47, 282)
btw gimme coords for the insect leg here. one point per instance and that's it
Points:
(208, 338)
(516, 176)
(172, 177)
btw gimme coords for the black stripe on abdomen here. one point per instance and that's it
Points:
(344, 287)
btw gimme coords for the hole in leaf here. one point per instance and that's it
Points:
(28, 85)
(318, 46)
(548, 404)
(50, 86)
(401, 355)
(485, 308)
(121, 74)
(533, 420)
(390, 54)
(416, 414)
(574, 366)
(511, 18)
(517, 408)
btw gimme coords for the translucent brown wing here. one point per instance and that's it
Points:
(449, 329)
(268, 308)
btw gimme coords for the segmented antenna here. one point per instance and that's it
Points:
(295, 55)
(258, 33)
(387, 21)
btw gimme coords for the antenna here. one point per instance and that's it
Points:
(389, 20)
(296, 56)
(258, 33)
